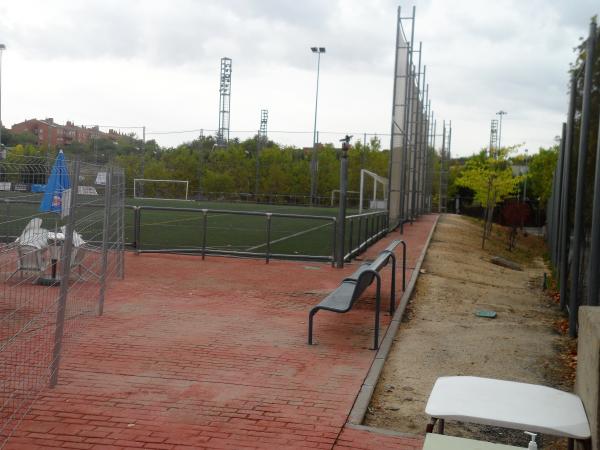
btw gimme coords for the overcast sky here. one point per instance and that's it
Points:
(152, 63)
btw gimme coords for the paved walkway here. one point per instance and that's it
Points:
(197, 354)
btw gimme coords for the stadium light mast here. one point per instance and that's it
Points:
(313, 159)
(224, 102)
(2, 48)
(500, 113)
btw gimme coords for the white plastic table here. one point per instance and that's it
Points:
(520, 406)
(442, 442)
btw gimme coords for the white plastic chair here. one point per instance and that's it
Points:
(31, 249)
(30, 259)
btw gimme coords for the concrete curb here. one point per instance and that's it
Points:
(361, 403)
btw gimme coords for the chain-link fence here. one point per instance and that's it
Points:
(55, 264)
(413, 133)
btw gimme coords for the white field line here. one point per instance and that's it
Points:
(300, 233)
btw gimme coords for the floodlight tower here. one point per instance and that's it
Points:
(493, 137)
(500, 113)
(261, 140)
(224, 102)
(264, 117)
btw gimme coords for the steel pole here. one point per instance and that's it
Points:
(594, 270)
(64, 281)
(442, 165)
(565, 223)
(105, 238)
(578, 231)
(558, 199)
(2, 48)
(341, 231)
(313, 160)
(394, 93)
(407, 123)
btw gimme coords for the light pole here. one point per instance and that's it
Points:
(313, 159)
(2, 48)
(526, 173)
(500, 113)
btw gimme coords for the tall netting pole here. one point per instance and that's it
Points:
(565, 222)
(594, 270)
(578, 232)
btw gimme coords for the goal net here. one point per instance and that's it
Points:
(160, 189)
(373, 191)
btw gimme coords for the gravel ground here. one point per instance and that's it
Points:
(440, 334)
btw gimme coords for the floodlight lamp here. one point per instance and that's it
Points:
(321, 49)
(314, 49)
(2, 47)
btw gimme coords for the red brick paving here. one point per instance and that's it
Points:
(195, 354)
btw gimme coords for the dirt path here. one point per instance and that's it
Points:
(442, 336)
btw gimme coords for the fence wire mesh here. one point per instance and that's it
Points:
(54, 269)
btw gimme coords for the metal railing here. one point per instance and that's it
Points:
(363, 230)
(253, 234)
(205, 231)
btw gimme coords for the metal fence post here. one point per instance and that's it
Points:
(65, 274)
(350, 240)
(593, 281)
(268, 254)
(558, 200)
(333, 243)
(122, 224)
(105, 237)
(136, 227)
(204, 229)
(6, 230)
(341, 232)
(566, 197)
(578, 232)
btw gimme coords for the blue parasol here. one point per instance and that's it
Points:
(57, 184)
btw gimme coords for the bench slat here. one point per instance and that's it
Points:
(341, 299)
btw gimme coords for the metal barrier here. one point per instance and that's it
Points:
(55, 275)
(201, 234)
(194, 235)
(369, 228)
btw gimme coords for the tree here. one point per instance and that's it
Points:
(491, 180)
(541, 173)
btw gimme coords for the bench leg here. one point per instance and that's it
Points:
(377, 306)
(393, 287)
(431, 425)
(310, 325)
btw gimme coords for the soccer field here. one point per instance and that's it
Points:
(310, 233)
(228, 231)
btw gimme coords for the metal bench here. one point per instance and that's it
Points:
(343, 298)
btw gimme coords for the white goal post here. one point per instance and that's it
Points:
(375, 202)
(147, 188)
